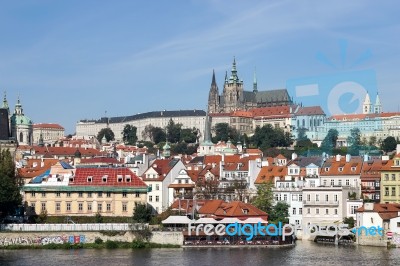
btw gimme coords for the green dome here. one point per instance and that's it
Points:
(20, 120)
(166, 146)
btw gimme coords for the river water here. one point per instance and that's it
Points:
(304, 253)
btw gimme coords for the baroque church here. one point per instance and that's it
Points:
(234, 97)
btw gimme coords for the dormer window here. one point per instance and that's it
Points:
(397, 162)
(353, 169)
(104, 178)
(119, 178)
(128, 178)
(245, 211)
(340, 169)
(326, 169)
(90, 179)
(71, 179)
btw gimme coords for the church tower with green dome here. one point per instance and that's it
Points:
(21, 126)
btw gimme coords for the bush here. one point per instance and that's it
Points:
(138, 244)
(111, 244)
(98, 240)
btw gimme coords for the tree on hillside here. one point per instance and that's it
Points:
(10, 196)
(129, 134)
(354, 141)
(224, 132)
(206, 188)
(157, 135)
(372, 141)
(105, 132)
(269, 137)
(329, 142)
(173, 131)
(189, 135)
(389, 144)
(265, 197)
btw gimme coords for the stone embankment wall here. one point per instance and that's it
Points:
(43, 238)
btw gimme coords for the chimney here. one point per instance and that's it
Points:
(348, 157)
(369, 206)
(398, 149)
(294, 156)
(338, 157)
(366, 157)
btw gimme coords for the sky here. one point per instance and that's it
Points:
(73, 60)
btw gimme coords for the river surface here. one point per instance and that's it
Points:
(304, 253)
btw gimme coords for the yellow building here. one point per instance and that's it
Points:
(390, 181)
(108, 191)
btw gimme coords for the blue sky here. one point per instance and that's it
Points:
(72, 60)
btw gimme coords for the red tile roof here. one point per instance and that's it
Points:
(385, 210)
(242, 114)
(66, 151)
(100, 160)
(113, 175)
(29, 171)
(162, 167)
(332, 167)
(268, 174)
(310, 110)
(234, 209)
(273, 112)
(47, 125)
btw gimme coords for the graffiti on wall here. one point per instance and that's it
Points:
(42, 240)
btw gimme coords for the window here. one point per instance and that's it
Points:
(347, 182)
(386, 177)
(340, 169)
(68, 194)
(89, 206)
(300, 197)
(100, 194)
(108, 206)
(68, 206)
(327, 211)
(43, 206)
(308, 211)
(124, 207)
(353, 209)
(340, 182)
(294, 211)
(150, 198)
(294, 197)
(157, 187)
(108, 194)
(128, 178)
(58, 194)
(157, 198)
(104, 179)
(393, 177)
(332, 182)
(317, 197)
(335, 197)
(335, 211)
(308, 197)
(80, 206)
(393, 191)
(80, 194)
(43, 194)
(58, 206)
(317, 211)
(124, 194)
(297, 222)
(33, 206)
(386, 191)
(99, 207)
(89, 179)
(324, 182)
(33, 194)
(285, 197)
(398, 224)
(119, 178)
(89, 194)
(300, 211)
(326, 197)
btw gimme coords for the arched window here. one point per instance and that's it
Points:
(304, 123)
(21, 137)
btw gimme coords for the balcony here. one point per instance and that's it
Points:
(286, 189)
(320, 203)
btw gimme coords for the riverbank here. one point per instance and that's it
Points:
(239, 246)
(109, 244)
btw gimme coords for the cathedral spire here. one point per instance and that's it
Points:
(367, 106)
(234, 78)
(255, 81)
(378, 105)
(5, 102)
(213, 82)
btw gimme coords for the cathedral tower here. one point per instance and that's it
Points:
(233, 91)
(367, 105)
(213, 96)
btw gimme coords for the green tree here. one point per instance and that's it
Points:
(189, 135)
(173, 131)
(265, 197)
(354, 141)
(372, 141)
(280, 213)
(329, 142)
(224, 132)
(389, 144)
(301, 134)
(129, 134)
(157, 135)
(107, 132)
(142, 213)
(350, 221)
(10, 196)
(270, 137)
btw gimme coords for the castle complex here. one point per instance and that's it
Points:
(234, 97)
